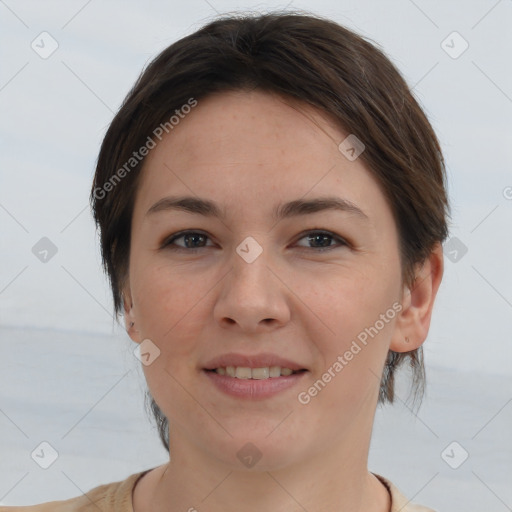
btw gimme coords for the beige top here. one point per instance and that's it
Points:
(117, 497)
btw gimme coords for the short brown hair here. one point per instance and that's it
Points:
(315, 61)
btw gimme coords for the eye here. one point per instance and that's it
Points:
(323, 239)
(195, 240)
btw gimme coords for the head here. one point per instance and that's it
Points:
(251, 113)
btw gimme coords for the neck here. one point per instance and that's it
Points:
(335, 480)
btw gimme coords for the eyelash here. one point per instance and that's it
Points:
(167, 244)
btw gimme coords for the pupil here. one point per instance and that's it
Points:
(323, 240)
(188, 237)
(318, 237)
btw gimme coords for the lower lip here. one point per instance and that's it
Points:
(253, 388)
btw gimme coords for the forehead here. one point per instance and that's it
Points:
(252, 150)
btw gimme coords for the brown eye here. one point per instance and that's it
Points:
(192, 240)
(321, 240)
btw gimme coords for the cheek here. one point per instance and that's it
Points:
(170, 311)
(168, 304)
(347, 378)
(358, 311)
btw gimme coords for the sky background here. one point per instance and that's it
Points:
(55, 111)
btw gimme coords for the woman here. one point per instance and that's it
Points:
(271, 202)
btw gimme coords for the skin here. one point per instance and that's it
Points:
(250, 151)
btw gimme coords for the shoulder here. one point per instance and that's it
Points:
(113, 497)
(399, 503)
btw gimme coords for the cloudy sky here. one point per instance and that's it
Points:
(66, 67)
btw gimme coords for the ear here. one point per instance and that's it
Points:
(129, 314)
(413, 322)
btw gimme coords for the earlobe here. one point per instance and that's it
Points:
(129, 316)
(413, 323)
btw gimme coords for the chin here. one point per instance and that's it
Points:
(256, 449)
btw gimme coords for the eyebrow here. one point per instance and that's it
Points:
(294, 208)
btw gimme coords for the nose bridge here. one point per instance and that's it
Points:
(250, 274)
(251, 293)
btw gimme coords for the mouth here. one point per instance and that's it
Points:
(253, 377)
(263, 373)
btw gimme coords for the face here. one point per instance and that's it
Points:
(251, 284)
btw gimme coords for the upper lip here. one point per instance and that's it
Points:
(251, 361)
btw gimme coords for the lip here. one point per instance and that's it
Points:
(252, 361)
(252, 388)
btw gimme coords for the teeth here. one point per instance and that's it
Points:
(260, 373)
(243, 372)
(275, 371)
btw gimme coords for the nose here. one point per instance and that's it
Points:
(252, 297)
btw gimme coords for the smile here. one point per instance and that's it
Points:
(245, 372)
(254, 383)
